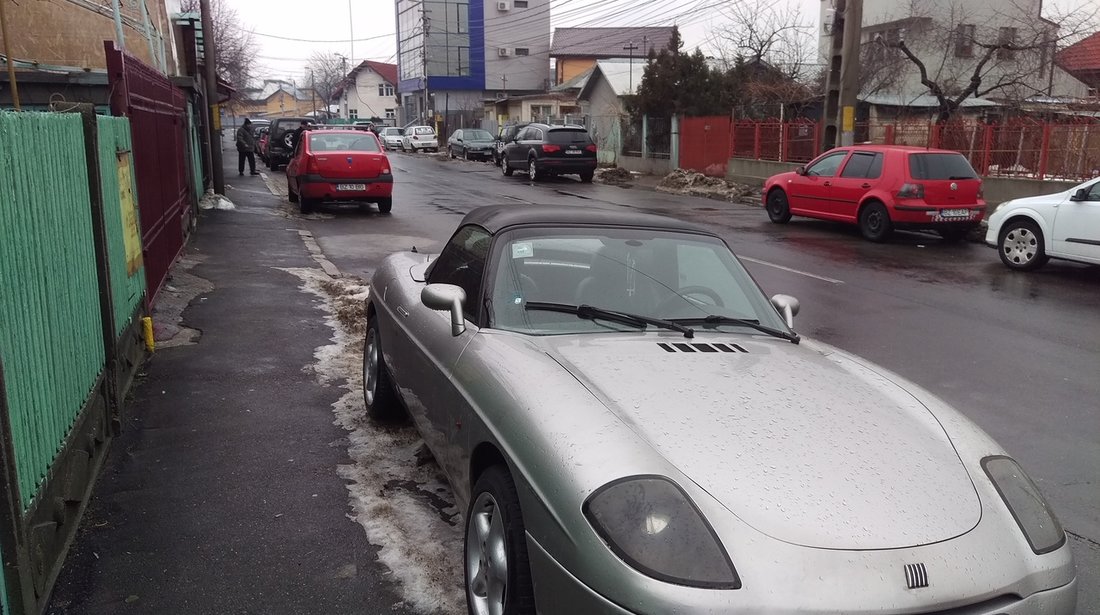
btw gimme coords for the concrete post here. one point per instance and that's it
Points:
(645, 137)
(674, 144)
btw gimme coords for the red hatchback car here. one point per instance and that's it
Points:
(339, 165)
(882, 188)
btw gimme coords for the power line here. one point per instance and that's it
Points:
(307, 40)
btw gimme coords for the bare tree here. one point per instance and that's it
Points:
(236, 45)
(328, 75)
(759, 32)
(958, 53)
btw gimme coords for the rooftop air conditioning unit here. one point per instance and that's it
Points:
(503, 52)
(503, 6)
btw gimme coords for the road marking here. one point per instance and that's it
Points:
(809, 275)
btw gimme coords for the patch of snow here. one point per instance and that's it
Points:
(405, 507)
(215, 201)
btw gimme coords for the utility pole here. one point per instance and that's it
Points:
(427, 25)
(351, 32)
(8, 59)
(504, 84)
(344, 69)
(313, 93)
(630, 48)
(842, 80)
(210, 59)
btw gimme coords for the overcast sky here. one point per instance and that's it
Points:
(326, 24)
(372, 25)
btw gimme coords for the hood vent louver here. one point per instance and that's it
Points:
(681, 347)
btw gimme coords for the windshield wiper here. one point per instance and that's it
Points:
(591, 312)
(714, 320)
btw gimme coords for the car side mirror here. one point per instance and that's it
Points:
(800, 171)
(788, 307)
(443, 297)
(1080, 195)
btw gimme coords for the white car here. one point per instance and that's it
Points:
(420, 138)
(1028, 232)
(391, 137)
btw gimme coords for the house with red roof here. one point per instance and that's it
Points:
(1082, 60)
(369, 92)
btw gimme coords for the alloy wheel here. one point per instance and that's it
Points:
(486, 557)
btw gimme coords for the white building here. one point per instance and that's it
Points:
(370, 93)
(947, 36)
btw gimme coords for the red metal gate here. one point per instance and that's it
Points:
(705, 144)
(158, 117)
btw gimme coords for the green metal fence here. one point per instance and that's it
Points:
(51, 340)
(127, 277)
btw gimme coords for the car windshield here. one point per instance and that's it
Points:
(568, 136)
(655, 274)
(343, 142)
(477, 135)
(940, 166)
(423, 130)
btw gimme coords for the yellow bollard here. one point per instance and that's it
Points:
(147, 330)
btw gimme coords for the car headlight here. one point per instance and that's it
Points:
(650, 523)
(1022, 497)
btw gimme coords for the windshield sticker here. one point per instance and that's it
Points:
(522, 249)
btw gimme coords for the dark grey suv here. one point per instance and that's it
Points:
(279, 145)
(544, 149)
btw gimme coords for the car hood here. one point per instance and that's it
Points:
(1043, 200)
(809, 447)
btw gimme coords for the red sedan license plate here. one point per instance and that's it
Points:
(351, 187)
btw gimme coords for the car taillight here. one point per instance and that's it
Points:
(311, 165)
(590, 148)
(981, 191)
(550, 149)
(911, 191)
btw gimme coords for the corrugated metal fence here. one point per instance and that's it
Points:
(73, 290)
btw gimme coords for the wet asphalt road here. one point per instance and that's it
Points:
(1017, 353)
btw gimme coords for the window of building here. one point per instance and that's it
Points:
(385, 89)
(353, 114)
(964, 40)
(391, 114)
(519, 4)
(522, 51)
(1007, 36)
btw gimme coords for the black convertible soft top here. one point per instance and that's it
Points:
(495, 218)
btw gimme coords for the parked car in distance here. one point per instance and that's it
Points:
(1028, 232)
(391, 137)
(471, 144)
(339, 165)
(507, 134)
(882, 188)
(418, 138)
(545, 149)
(279, 141)
(631, 426)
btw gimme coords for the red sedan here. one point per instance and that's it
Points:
(339, 166)
(882, 188)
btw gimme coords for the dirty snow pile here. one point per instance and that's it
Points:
(402, 502)
(215, 201)
(614, 175)
(693, 183)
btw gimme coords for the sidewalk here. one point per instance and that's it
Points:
(221, 495)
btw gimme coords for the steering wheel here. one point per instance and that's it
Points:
(692, 295)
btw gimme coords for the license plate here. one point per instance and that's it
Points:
(351, 187)
(955, 213)
(573, 152)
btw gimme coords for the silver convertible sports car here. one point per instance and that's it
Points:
(633, 427)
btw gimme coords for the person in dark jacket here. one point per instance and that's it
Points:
(297, 134)
(246, 148)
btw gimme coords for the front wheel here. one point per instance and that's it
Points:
(874, 222)
(466, 154)
(779, 210)
(1021, 246)
(378, 393)
(452, 152)
(497, 571)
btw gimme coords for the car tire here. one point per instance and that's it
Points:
(452, 152)
(533, 169)
(874, 222)
(291, 195)
(1021, 246)
(779, 209)
(305, 205)
(379, 396)
(587, 176)
(494, 516)
(466, 154)
(385, 206)
(504, 168)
